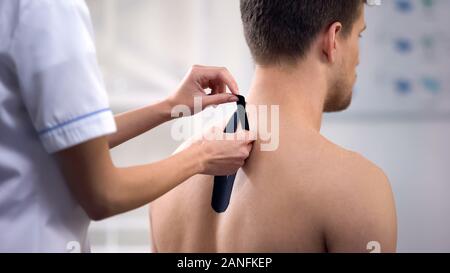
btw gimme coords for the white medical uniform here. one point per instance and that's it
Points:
(51, 97)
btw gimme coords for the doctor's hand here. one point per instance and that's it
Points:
(200, 78)
(222, 153)
(104, 190)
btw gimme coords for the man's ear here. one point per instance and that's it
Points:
(330, 42)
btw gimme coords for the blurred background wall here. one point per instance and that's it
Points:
(400, 117)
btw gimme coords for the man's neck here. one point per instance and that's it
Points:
(299, 92)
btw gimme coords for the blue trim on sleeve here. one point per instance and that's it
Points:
(48, 130)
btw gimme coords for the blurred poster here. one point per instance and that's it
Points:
(405, 62)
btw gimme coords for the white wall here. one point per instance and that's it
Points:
(146, 46)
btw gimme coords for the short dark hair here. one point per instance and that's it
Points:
(283, 30)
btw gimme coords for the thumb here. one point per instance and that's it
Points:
(218, 99)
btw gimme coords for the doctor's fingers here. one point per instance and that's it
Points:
(246, 137)
(218, 99)
(215, 78)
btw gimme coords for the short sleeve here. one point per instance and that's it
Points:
(60, 82)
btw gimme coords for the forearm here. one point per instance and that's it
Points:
(137, 122)
(137, 186)
(104, 190)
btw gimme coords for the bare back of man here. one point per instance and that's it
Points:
(308, 195)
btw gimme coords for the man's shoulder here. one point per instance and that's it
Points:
(334, 162)
(353, 171)
(335, 173)
(358, 204)
(347, 163)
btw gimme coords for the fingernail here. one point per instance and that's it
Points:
(233, 98)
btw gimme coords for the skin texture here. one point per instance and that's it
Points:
(309, 195)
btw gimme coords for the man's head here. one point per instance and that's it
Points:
(286, 32)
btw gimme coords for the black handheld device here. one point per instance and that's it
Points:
(223, 185)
